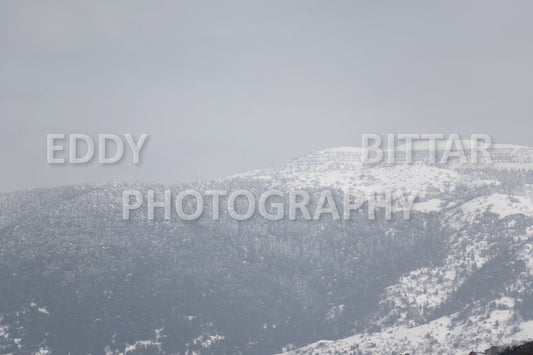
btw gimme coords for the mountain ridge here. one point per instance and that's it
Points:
(462, 262)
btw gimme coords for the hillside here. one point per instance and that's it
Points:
(456, 276)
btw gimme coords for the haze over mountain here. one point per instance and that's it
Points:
(457, 276)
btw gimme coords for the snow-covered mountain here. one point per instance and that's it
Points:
(457, 276)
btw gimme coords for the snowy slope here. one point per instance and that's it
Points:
(457, 276)
(437, 309)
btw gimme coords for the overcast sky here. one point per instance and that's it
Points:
(223, 87)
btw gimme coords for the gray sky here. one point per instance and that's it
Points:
(225, 87)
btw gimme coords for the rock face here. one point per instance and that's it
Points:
(75, 277)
